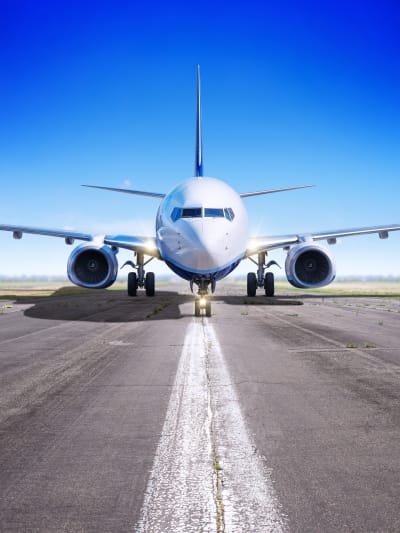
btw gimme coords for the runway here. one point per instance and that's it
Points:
(129, 414)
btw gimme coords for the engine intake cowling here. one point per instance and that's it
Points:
(92, 266)
(309, 266)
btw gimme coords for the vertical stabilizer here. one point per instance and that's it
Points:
(199, 142)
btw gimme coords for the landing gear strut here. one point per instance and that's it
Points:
(202, 302)
(140, 278)
(261, 279)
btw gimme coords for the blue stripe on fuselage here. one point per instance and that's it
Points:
(214, 275)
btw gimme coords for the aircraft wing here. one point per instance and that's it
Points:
(147, 245)
(264, 244)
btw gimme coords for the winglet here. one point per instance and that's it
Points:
(198, 169)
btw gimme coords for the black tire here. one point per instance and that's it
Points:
(269, 284)
(150, 284)
(208, 308)
(197, 307)
(132, 284)
(251, 284)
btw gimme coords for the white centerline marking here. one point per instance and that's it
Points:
(203, 432)
(179, 494)
(249, 499)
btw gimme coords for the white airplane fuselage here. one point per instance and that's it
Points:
(202, 229)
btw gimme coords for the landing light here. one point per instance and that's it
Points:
(203, 302)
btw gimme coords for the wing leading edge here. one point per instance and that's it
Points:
(146, 245)
(264, 244)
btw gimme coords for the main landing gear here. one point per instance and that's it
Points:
(261, 279)
(140, 279)
(202, 303)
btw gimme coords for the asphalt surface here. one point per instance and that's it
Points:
(129, 414)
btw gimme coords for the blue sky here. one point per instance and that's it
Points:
(294, 92)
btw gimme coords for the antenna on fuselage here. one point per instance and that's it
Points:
(198, 169)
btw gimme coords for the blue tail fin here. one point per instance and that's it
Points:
(198, 169)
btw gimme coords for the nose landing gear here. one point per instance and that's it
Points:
(202, 303)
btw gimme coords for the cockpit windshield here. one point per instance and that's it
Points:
(199, 212)
(191, 212)
(213, 212)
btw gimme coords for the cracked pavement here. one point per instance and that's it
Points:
(301, 400)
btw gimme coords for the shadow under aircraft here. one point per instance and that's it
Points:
(69, 304)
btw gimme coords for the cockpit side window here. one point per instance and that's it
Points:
(229, 214)
(192, 212)
(213, 212)
(176, 213)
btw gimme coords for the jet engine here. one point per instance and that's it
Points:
(309, 266)
(93, 266)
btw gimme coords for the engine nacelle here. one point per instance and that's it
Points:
(92, 266)
(309, 266)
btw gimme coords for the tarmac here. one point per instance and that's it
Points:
(130, 414)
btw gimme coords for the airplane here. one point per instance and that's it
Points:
(201, 233)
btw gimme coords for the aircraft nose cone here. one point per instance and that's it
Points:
(213, 247)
